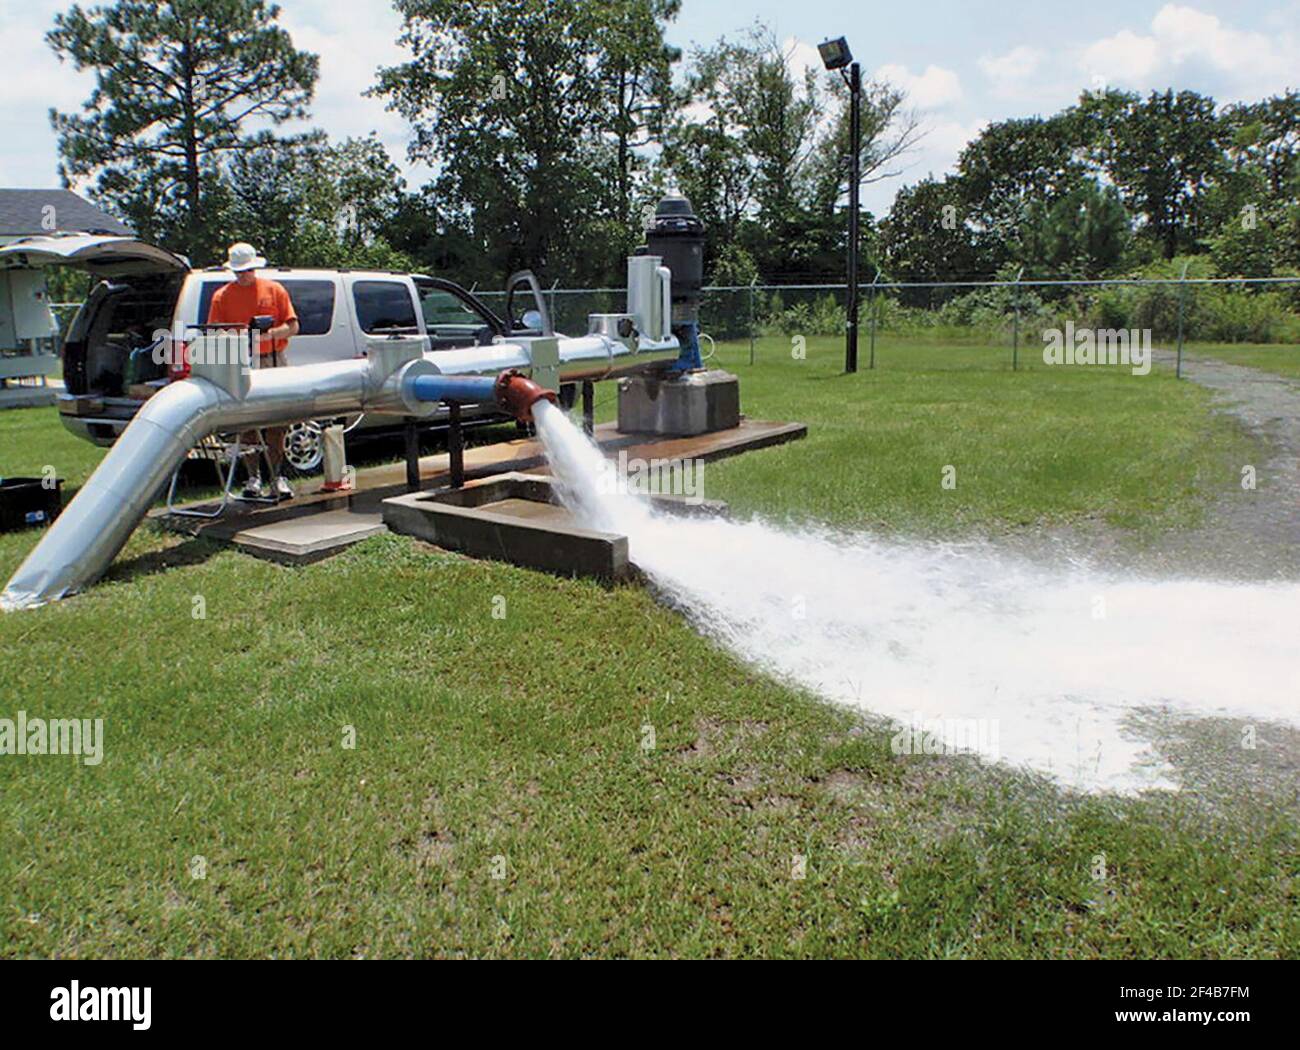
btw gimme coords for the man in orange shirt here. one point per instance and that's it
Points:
(241, 301)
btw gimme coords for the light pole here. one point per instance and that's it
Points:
(836, 55)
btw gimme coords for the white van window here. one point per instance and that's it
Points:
(313, 302)
(206, 293)
(447, 315)
(383, 304)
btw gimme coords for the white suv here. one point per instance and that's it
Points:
(109, 364)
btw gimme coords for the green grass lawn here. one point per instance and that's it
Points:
(1284, 360)
(513, 746)
(1038, 445)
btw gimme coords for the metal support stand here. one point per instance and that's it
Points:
(588, 407)
(1015, 339)
(227, 479)
(456, 446)
(1182, 303)
(874, 308)
(412, 431)
(752, 319)
(1015, 333)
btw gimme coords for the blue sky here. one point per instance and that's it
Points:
(963, 64)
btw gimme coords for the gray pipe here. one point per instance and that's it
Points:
(83, 541)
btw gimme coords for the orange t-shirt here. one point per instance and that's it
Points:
(239, 304)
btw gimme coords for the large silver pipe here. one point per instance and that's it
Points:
(592, 357)
(83, 541)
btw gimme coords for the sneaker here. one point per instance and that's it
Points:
(253, 489)
(283, 489)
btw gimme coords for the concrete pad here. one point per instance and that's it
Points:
(308, 538)
(681, 406)
(288, 533)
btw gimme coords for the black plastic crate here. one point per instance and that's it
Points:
(29, 502)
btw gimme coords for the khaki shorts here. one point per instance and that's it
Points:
(273, 436)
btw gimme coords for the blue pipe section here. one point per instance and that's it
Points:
(465, 389)
(688, 334)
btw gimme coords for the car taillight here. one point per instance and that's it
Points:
(179, 366)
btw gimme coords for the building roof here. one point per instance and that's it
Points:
(23, 214)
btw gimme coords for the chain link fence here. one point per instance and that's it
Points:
(995, 324)
(1013, 321)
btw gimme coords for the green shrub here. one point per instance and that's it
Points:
(1225, 314)
(823, 315)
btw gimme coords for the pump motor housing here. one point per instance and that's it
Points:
(676, 235)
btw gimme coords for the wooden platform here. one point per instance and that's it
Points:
(315, 525)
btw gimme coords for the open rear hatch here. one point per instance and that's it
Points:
(134, 294)
(100, 254)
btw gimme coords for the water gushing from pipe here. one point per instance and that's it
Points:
(1049, 666)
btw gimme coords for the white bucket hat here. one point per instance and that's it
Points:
(243, 257)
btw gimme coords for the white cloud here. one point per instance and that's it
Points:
(1187, 33)
(946, 139)
(935, 154)
(351, 50)
(932, 89)
(351, 45)
(34, 81)
(1009, 70)
(1185, 43)
(802, 56)
(1125, 58)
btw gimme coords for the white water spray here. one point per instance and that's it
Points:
(1039, 669)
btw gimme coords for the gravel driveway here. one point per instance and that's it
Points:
(1250, 534)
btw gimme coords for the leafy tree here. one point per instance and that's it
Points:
(1084, 233)
(265, 195)
(735, 267)
(771, 110)
(709, 166)
(927, 236)
(508, 100)
(1246, 248)
(1011, 168)
(1251, 205)
(762, 152)
(889, 131)
(1164, 153)
(635, 71)
(1266, 137)
(313, 203)
(420, 228)
(816, 244)
(176, 82)
(757, 102)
